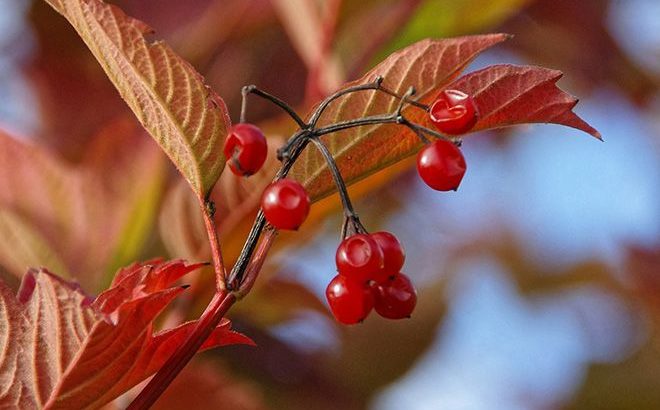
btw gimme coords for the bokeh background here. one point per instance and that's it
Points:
(539, 279)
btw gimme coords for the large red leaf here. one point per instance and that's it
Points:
(64, 349)
(509, 94)
(428, 65)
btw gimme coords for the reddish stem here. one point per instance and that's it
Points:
(214, 312)
(211, 231)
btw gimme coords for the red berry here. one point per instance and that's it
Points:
(453, 112)
(245, 149)
(285, 204)
(360, 258)
(441, 165)
(397, 298)
(393, 254)
(349, 300)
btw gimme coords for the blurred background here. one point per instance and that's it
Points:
(539, 280)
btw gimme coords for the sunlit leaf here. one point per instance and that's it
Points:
(168, 96)
(509, 94)
(428, 65)
(64, 349)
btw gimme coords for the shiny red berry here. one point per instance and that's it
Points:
(245, 149)
(441, 165)
(285, 204)
(360, 258)
(453, 112)
(393, 254)
(397, 298)
(349, 300)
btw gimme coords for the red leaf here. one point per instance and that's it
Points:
(508, 94)
(63, 349)
(428, 65)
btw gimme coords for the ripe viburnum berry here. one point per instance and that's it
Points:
(350, 301)
(453, 112)
(360, 258)
(393, 254)
(396, 299)
(245, 149)
(441, 165)
(285, 204)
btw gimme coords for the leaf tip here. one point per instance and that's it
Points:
(27, 286)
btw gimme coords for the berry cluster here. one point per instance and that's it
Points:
(368, 265)
(369, 278)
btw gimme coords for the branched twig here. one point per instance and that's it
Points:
(250, 261)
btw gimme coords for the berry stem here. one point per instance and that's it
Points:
(406, 98)
(374, 85)
(214, 312)
(421, 130)
(336, 176)
(252, 89)
(237, 274)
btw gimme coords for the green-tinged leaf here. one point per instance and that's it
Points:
(428, 65)
(137, 226)
(23, 247)
(167, 95)
(442, 18)
(65, 350)
(82, 212)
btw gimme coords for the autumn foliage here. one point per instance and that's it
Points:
(64, 348)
